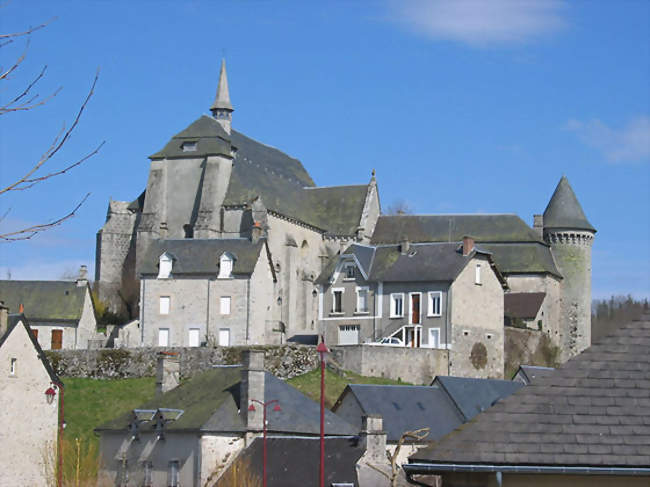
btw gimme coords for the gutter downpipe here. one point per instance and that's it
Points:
(60, 438)
(248, 307)
(142, 301)
(448, 330)
(437, 468)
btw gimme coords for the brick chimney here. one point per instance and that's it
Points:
(168, 372)
(468, 245)
(257, 232)
(373, 439)
(82, 280)
(252, 387)
(4, 319)
(538, 225)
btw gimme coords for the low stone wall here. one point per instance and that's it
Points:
(284, 361)
(414, 365)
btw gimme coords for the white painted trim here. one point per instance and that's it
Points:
(393, 315)
(429, 337)
(411, 308)
(334, 290)
(321, 301)
(379, 296)
(430, 313)
(356, 307)
(477, 274)
(343, 259)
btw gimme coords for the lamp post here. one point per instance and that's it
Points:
(322, 350)
(264, 406)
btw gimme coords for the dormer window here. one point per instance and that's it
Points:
(165, 266)
(189, 146)
(349, 270)
(225, 266)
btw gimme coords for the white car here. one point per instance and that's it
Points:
(391, 342)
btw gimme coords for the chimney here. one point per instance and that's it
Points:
(468, 245)
(252, 387)
(168, 371)
(257, 232)
(4, 319)
(538, 225)
(82, 280)
(373, 439)
(404, 246)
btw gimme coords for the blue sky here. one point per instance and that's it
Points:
(461, 107)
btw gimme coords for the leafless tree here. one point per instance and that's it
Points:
(415, 436)
(399, 207)
(27, 98)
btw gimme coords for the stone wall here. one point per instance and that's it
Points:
(414, 365)
(284, 361)
(528, 347)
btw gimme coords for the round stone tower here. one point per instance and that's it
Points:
(570, 235)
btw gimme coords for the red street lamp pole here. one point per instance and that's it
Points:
(322, 350)
(275, 408)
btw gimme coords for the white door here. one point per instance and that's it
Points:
(348, 334)
(434, 337)
(224, 337)
(194, 337)
(163, 337)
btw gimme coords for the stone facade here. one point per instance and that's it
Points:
(28, 422)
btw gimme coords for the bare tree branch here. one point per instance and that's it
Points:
(29, 232)
(28, 104)
(28, 31)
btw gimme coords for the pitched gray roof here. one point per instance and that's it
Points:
(473, 396)
(45, 300)
(592, 412)
(564, 210)
(529, 373)
(210, 402)
(404, 408)
(523, 258)
(522, 305)
(209, 135)
(452, 228)
(201, 256)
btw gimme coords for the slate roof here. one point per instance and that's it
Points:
(210, 401)
(473, 396)
(522, 305)
(404, 408)
(523, 258)
(15, 320)
(564, 210)
(529, 373)
(591, 412)
(201, 256)
(294, 462)
(209, 135)
(49, 301)
(452, 228)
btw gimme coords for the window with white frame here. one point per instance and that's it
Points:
(349, 271)
(337, 300)
(147, 469)
(189, 146)
(362, 300)
(12, 367)
(165, 305)
(174, 471)
(435, 303)
(224, 337)
(397, 305)
(224, 305)
(194, 337)
(163, 337)
(165, 263)
(477, 274)
(225, 266)
(434, 337)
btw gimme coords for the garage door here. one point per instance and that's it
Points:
(348, 334)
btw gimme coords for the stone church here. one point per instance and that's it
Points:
(227, 240)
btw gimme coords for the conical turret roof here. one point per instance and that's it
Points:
(222, 99)
(564, 210)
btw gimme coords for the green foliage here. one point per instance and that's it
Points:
(57, 364)
(309, 384)
(104, 315)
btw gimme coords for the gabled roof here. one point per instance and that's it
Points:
(210, 401)
(528, 373)
(564, 210)
(404, 408)
(294, 462)
(473, 396)
(523, 258)
(591, 412)
(18, 320)
(58, 301)
(210, 137)
(201, 256)
(522, 305)
(452, 228)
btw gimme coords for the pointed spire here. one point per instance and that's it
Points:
(221, 108)
(564, 210)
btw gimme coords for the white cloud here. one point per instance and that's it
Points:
(481, 22)
(630, 143)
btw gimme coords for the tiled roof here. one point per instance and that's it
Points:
(594, 411)
(522, 305)
(44, 300)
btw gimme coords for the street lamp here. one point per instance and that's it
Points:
(264, 405)
(322, 350)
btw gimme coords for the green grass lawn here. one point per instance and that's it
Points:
(309, 384)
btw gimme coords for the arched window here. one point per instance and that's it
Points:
(165, 264)
(225, 266)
